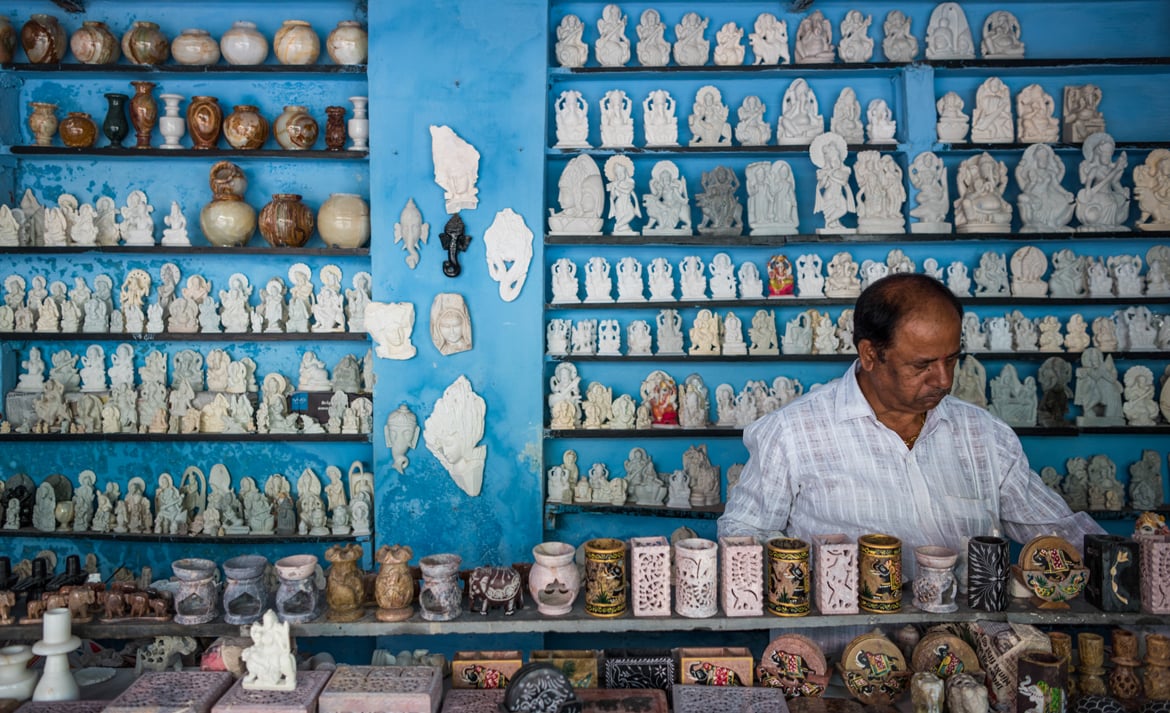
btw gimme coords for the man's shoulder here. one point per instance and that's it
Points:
(814, 403)
(969, 415)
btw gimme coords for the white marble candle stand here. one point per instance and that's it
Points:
(57, 642)
(382, 689)
(741, 566)
(650, 576)
(172, 692)
(302, 699)
(835, 564)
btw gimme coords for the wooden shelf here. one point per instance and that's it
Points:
(725, 242)
(163, 69)
(235, 337)
(1025, 63)
(156, 152)
(1070, 430)
(192, 437)
(808, 358)
(266, 540)
(829, 302)
(201, 250)
(729, 150)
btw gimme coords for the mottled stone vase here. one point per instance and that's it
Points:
(93, 43)
(286, 222)
(204, 121)
(788, 577)
(880, 577)
(144, 43)
(244, 595)
(650, 576)
(987, 573)
(1124, 683)
(143, 113)
(345, 589)
(42, 120)
(1114, 577)
(1091, 671)
(244, 128)
(605, 577)
(1156, 674)
(43, 39)
(935, 586)
(1041, 683)
(78, 130)
(334, 128)
(115, 126)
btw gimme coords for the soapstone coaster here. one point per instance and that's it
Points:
(63, 707)
(727, 699)
(302, 699)
(625, 700)
(471, 700)
(382, 689)
(173, 692)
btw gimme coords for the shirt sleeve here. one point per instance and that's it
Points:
(1028, 507)
(758, 506)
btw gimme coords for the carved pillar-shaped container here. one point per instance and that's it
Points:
(1041, 683)
(1155, 574)
(987, 573)
(335, 128)
(696, 578)
(880, 577)
(439, 598)
(741, 563)
(935, 587)
(1156, 675)
(245, 597)
(605, 577)
(788, 577)
(1114, 579)
(835, 562)
(297, 597)
(1124, 683)
(1091, 672)
(650, 576)
(198, 597)
(554, 580)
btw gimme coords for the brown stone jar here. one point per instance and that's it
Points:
(335, 128)
(94, 44)
(286, 222)
(204, 120)
(144, 43)
(77, 130)
(43, 39)
(245, 129)
(295, 129)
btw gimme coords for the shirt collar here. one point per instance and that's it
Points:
(852, 404)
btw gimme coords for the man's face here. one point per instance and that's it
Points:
(919, 364)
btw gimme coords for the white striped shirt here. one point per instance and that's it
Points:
(824, 464)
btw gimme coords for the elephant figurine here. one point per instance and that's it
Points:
(495, 587)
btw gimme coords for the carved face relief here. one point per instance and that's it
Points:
(509, 252)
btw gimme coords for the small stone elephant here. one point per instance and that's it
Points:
(495, 587)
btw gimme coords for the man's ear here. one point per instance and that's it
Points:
(867, 354)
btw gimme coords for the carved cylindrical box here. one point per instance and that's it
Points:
(696, 578)
(987, 573)
(1041, 683)
(788, 577)
(1114, 575)
(880, 561)
(605, 577)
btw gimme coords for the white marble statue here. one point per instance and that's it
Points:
(623, 203)
(1045, 205)
(752, 129)
(669, 331)
(928, 175)
(880, 193)
(583, 340)
(814, 40)
(598, 282)
(705, 334)
(571, 50)
(581, 198)
(762, 336)
(564, 281)
(810, 283)
(722, 213)
(729, 49)
(452, 433)
(572, 119)
(691, 48)
(617, 122)
(1034, 114)
(668, 208)
(10, 226)
(1151, 182)
(948, 36)
(660, 276)
(692, 278)
(508, 244)
(834, 195)
(609, 337)
(1001, 36)
(771, 204)
(659, 121)
(1028, 266)
(980, 207)
(630, 283)
(456, 164)
(952, 123)
(653, 48)
(842, 280)
(1082, 118)
(1139, 408)
(410, 230)
(991, 122)
(722, 280)
(391, 324)
(84, 230)
(856, 45)
(800, 119)
(638, 338)
(881, 125)
(1098, 392)
(270, 663)
(1102, 202)
(991, 277)
(769, 41)
(899, 45)
(176, 231)
(708, 120)
(613, 47)
(137, 227)
(846, 119)
(450, 323)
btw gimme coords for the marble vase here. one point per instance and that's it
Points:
(554, 580)
(227, 220)
(194, 46)
(171, 125)
(344, 221)
(696, 581)
(143, 113)
(606, 593)
(359, 124)
(245, 596)
(348, 43)
(93, 43)
(297, 598)
(197, 601)
(394, 586)
(43, 122)
(439, 599)
(295, 129)
(115, 126)
(788, 577)
(286, 222)
(345, 589)
(242, 44)
(43, 39)
(296, 43)
(245, 128)
(204, 121)
(78, 130)
(935, 586)
(334, 128)
(835, 564)
(144, 43)
(7, 40)
(1114, 579)
(650, 568)
(741, 566)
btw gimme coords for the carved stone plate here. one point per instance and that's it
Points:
(944, 655)
(874, 670)
(540, 688)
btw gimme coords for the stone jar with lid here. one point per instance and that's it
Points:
(194, 46)
(286, 222)
(227, 220)
(144, 43)
(78, 130)
(348, 43)
(93, 43)
(43, 39)
(344, 221)
(295, 129)
(204, 120)
(7, 39)
(394, 586)
(245, 129)
(296, 42)
(243, 44)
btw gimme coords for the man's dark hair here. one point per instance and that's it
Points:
(884, 304)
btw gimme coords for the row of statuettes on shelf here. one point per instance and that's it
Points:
(1101, 205)
(948, 36)
(43, 39)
